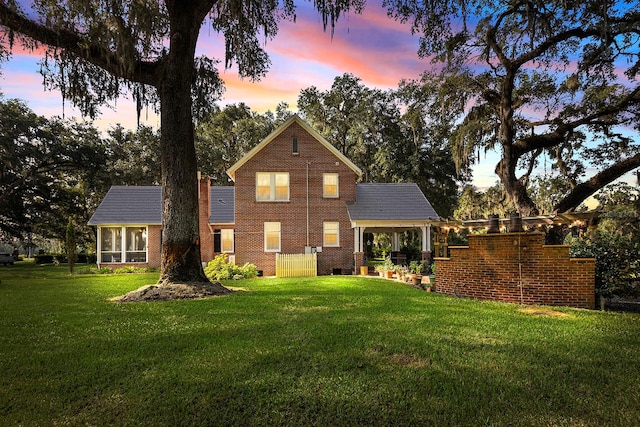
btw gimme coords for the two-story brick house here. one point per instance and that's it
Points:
(294, 193)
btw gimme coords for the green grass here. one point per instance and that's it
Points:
(333, 350)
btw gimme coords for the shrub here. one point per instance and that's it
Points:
(43, 259)
(220, 269)
(617, 264)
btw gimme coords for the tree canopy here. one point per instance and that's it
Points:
(47, 167)
(95, 49)
(538, 79)
(369, 127)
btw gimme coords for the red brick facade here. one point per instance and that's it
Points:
(302, 217)
(517, 267)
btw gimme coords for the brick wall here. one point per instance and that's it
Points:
(277, 156)
(154, 233)
(517, 267)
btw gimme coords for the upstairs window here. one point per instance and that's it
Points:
(272, 186)
(330, 185)
(294, 145)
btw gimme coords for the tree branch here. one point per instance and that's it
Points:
(534, 142)
(145, 72)
(604, 177)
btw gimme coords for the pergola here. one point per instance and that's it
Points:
(583, 220)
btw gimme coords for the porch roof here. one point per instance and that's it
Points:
(387, 203)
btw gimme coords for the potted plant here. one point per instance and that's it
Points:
(380, 269)
(401, 272)
(416, 270)
(388, 267)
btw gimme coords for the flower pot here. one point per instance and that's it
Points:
(364, 270)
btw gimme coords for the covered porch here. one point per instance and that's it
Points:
(391, 208)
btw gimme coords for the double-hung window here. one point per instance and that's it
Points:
(330, 185)
(226, 240)
(272, 237)
(331, 232)
(272, 186)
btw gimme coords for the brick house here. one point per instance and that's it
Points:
(294, 193)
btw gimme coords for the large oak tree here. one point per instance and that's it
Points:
(540, 79)
(96, 49)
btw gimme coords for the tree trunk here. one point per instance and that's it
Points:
(180, 239)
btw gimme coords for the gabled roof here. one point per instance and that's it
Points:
(293, 119)
(222, 205)
(391, 202)
(130, 205)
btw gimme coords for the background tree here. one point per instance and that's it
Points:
(133, 157)
(70, 244)
(368, 127)
(539, 77)
(474, 204)
(223, 137)
(97, 49)
(616, 242)
(47, 171)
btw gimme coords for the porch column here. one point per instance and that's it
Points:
(358, 254)
(394, 242)
(361, 239)
(426, 242)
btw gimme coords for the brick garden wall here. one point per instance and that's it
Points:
(277, 156)
(519, 268)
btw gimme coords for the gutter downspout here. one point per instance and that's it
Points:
(308, 203)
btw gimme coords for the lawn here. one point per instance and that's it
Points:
(335, 350)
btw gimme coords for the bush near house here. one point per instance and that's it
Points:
(220, 269)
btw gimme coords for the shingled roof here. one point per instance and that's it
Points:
(143, 205)
(391, 202)
(222, 205)
(130, 205)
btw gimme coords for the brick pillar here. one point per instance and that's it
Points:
(358, 258)
(206, 237)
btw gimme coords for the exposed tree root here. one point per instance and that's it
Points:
(174, 291)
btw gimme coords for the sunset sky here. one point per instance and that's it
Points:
(371, 46)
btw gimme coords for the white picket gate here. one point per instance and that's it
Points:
(296, 265)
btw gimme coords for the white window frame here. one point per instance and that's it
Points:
(227, 236)
(269, 228)
(324, 186)
(331, 228)
(273, 180)
(126, 245)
